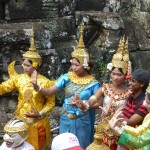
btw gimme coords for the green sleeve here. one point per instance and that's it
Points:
(135, 142)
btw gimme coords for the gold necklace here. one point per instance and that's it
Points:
(80, 80)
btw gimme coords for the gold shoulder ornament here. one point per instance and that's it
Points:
(11, 70)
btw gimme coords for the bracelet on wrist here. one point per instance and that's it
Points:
(42, 112)
(93, 97)
(39, 88)
(86, 105)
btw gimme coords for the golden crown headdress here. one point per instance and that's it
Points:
(81, 52)
(32, 53)
(15, 126)
(148, 89)
(121, 57)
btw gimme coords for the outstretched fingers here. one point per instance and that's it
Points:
(118, 113)
(34, 77)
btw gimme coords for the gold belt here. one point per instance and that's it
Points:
(72, 116)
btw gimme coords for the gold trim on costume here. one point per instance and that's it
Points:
(27, 105)
(108, 90)
(80, 80)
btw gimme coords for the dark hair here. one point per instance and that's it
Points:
(30, 61)
(120, 69)
(142, 76)
(91, 65)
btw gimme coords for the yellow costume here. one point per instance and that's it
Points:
(140, 129)
(30, 100)
(137, 138)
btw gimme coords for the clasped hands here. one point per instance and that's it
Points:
(33, 114)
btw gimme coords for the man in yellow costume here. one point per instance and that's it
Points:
(33, 107)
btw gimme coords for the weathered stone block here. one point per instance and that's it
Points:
(89, 5)
(25, 9)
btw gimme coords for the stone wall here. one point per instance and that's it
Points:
(25, 9)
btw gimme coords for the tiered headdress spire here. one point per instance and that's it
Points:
(81, 52)
(121, 57)
(32, 53)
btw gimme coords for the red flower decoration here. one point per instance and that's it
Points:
(127, 77)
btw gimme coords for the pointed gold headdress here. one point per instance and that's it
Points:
(81, 52)
(121, 58)
(148, 89)
(32, 53)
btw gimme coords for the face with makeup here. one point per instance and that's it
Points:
(15, 133)
(27, 67)
(77, 67)
(14, 140)
(117, 76)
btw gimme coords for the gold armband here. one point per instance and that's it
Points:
(42, 112)
(93, 97)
